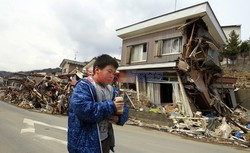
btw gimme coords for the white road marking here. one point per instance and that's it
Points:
(31, 129)
(30, 126)
(28, 130)
(44, 137)
(31, 122)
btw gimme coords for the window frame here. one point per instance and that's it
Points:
(132, 49)
(173, 38)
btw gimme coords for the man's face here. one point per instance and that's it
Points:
(106, 75)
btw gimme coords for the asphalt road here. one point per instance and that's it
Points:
(24, 131)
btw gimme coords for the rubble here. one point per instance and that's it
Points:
(131, 97)
(243, 77)
(198, 73)
(214, 129)
(210, 128)
(233, 127)
(41, 92)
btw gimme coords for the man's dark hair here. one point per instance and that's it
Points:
(103, 60)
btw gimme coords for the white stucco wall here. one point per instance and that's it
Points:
(228, 29)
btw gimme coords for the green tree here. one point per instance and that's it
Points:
(231, 50)
(244, 50)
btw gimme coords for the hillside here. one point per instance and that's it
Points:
(6, 74)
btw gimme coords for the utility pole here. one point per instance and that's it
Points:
(75, 54)
(175, 5)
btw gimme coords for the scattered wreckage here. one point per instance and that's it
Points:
(41, 92)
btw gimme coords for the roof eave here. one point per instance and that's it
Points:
(187, 13)
(62, 63)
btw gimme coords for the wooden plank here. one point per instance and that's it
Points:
(190, 22)
(185, 102)
(137, 88)
(130, 100)
(187, 52)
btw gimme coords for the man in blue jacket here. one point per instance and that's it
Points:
(92, 107)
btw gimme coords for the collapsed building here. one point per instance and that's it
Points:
(42, 92)
(45, 92)
(173, 59)
(176, 53)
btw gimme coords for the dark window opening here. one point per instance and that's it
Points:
(144, 48)
(129, 86)
(166, 93)
(227, 99)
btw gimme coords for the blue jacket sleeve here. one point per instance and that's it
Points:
(86, 109)
(124, 117)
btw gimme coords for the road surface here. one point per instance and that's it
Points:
(24, 131)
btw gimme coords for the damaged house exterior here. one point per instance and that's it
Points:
(173, 58)
(69, 66)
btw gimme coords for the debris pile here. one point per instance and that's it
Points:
(131, 99)
(243, 78)
(197, 76)
(41, 92)
(208, 128)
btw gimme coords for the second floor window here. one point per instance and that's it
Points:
(168, 46)
(171, 46)
(139, 53)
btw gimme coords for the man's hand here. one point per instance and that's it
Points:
(119, 104)
(114, 119)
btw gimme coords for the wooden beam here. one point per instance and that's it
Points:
(137, 87)
(185, 102)
(189, 42)
(130, 100)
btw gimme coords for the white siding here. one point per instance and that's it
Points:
(228, 29)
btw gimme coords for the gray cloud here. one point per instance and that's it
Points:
(39, 34)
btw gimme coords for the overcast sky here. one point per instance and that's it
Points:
(37, 34)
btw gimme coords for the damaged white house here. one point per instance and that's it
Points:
(173, 58)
